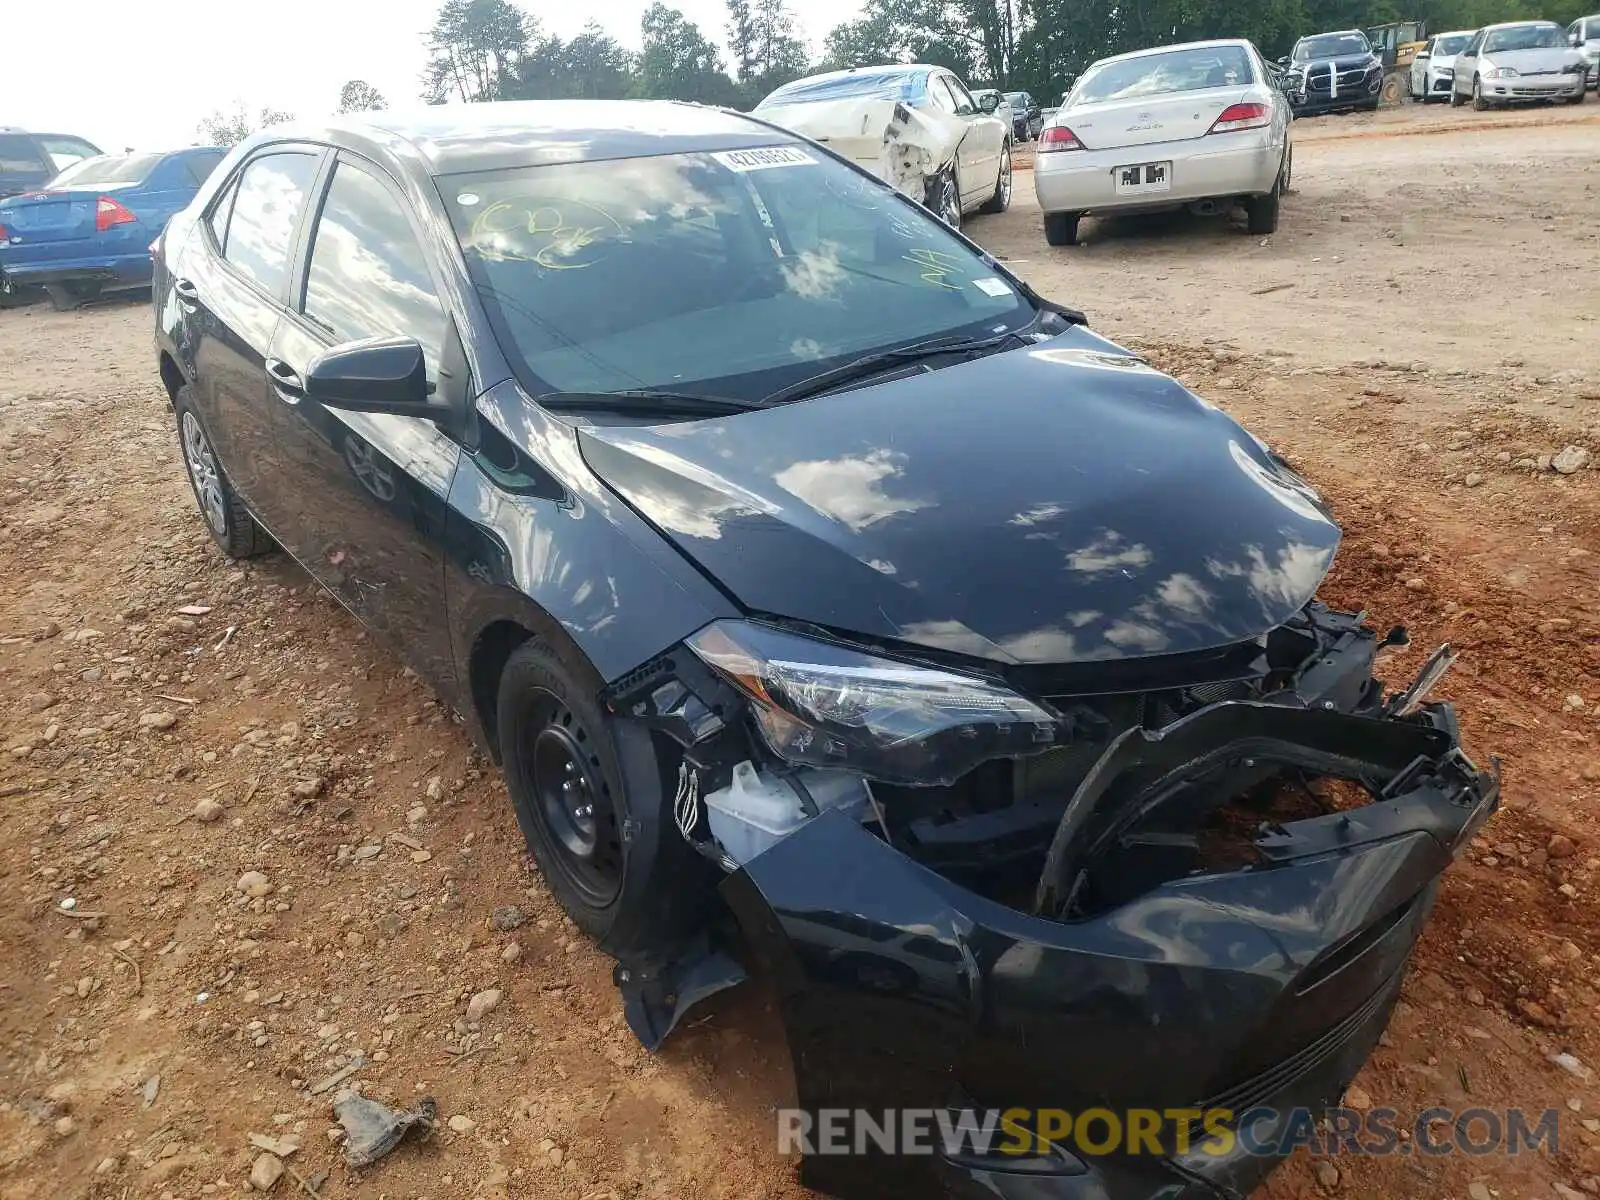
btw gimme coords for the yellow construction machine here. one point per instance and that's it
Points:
(1397, 43)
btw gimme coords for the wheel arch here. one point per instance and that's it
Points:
(172, 376)
(497, 636)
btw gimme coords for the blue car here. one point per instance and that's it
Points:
(89, 229)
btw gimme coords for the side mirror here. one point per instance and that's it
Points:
(1283, 61)
(989, 103)
(1422, 54)
(383, 375)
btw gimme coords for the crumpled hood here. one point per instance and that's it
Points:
(1529, 62)
(1341, 63)
(1059, 503)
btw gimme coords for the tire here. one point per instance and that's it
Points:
(228, 521)
(1061, 229)
(1001, 200)
(642, 892)
(944, 197)
(1261, 212)
(1288, 171)
(1579, 98)
(65, 297)
(1455, 97)
(1479, 104)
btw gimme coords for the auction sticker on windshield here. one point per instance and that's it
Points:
(762, 158)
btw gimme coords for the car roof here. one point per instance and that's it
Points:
(1333, 33)
(449, 139)
(1455, 33)
(1519, 24)
(1201, 45)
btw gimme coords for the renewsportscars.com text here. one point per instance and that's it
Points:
(1267, 1132)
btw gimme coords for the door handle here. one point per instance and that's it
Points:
(285, 381)
(186, 292)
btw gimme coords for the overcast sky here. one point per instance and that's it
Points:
(142, 73)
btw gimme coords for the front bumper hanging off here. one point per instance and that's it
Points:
(1236, 989)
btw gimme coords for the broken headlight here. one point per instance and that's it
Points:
(819, 704)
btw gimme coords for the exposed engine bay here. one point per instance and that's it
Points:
(1099, 775)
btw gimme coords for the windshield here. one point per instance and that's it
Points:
(1163, 74)
(1525, 37)
(107, 171)
(1452, 44)
(857, 85)
(1331, 45)
(732, 274)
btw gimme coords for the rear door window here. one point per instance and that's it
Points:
(368, 275)
(271, 194)
(19, 154)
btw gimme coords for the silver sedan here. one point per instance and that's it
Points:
(1201, 125)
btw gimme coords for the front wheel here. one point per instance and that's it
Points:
(1061, 229)
(1579, 98)
(1001, 200)
(1455, 97)
(1479, 104)
(590, 801)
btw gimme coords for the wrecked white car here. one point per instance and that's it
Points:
(915, 127)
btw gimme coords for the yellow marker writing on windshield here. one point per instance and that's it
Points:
(936, 266)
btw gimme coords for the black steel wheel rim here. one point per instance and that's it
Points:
(572, 801)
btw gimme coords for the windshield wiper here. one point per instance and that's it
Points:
(873, 364)
(645, 402)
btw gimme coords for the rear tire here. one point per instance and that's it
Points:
(1261, 212)
(64, 297)
(228, 521)
(1001, 200)
(590, 799)
(944, 197)
(1061, 229)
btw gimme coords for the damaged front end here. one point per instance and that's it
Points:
(905, 147)
(1189, 883)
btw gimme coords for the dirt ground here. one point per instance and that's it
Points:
(1418, 334)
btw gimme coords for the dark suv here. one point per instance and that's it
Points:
(809, 575)
(30, 160)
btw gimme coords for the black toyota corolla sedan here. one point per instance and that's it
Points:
(832, 599)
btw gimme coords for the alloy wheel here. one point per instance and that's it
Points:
(573, 801)
(950, 200)
(1005, 177)
(203, 474)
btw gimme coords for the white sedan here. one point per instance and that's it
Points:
(1518, 60)
(1201, 125)
(1434, 66)
(914, 126)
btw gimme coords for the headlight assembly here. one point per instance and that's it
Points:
(823, 705)
(1500, 73)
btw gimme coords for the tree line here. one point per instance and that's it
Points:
(494, 50)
